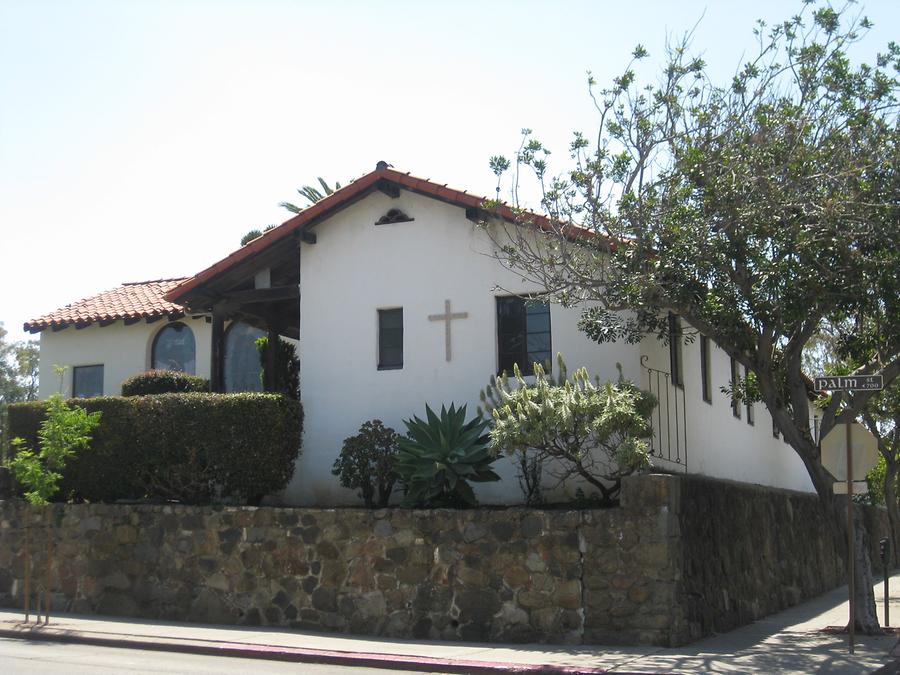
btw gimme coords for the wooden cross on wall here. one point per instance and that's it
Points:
(447, 317)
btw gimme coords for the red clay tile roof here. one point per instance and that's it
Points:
(144, 299)
(339, 198)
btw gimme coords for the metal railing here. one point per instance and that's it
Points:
(668, 421)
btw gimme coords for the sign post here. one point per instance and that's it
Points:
(854, 468)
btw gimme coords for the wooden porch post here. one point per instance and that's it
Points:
(272, 357)
(215, 366)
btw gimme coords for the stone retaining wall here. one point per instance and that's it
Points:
(683, 556)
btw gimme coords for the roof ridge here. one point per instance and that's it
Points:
(152, 281)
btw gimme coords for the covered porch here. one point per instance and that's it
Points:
(261, 291)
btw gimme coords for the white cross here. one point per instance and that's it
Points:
(447, 316)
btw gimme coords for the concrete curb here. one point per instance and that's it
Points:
(294, 654)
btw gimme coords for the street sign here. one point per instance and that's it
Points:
(859, 487)
(848, 454)
(834, 451)
(849, 383)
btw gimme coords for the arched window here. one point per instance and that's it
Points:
(174, 349)
(241, 367)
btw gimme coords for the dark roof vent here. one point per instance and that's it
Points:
(382, 165)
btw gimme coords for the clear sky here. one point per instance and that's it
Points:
(140, 139)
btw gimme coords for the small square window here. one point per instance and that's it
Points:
(705, 383)
(87, 381)
(735, 402)
(390, 339)
(675, 358)
(751, 419)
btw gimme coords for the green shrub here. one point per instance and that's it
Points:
(366, 463)
(440, 456)
(195, 448)
(287, 368)
(596, 433)
(163, 382)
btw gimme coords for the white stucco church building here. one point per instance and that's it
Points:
(393, 294)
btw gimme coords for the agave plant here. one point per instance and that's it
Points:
(440, 456)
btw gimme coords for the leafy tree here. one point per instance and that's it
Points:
(28, 354)
(65, 431)
(882, 418)
(18, 375)
(366, 463)
(758, 210)
(255, 234)
(311, 194)
(595, 433)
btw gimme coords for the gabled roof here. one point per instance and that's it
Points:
(139, 300)
(380, 178)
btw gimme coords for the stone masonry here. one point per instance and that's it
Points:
(645, 573)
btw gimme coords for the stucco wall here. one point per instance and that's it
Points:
(356, 268)
(719, 444)
(122, 350)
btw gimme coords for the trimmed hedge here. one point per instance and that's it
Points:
(195, 448)
(163, 382)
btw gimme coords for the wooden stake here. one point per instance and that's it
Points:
(48, 571)
(851, 548)
(27, 565)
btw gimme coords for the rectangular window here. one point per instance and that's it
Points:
(751, 420)
(675, 360)
(523, 334)
(735, 403)
(705, 383)
(390, 339)
(87, 381)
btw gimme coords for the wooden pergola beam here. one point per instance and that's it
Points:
(260, 295)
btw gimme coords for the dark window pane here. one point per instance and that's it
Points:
(539, 342)
(523, 334)
(512, 343)
(538, 318)
(390, 338)
(242, 366)
(510, 315)
(675, 360)
(87, 381)
(705, 384)
(174, 349)
(735, 403)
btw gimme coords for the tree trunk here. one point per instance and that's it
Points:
(836, 512)
(866, 614)
(864, 594)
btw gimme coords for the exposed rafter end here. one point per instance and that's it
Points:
(475, 215)
(131, 320)
(56, 327)
(390, 189)
(307, 237)
(106, 322)
(154, 319)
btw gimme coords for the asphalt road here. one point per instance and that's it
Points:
(21, 657)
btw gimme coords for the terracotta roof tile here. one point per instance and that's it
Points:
(144, 299)
(349, 191)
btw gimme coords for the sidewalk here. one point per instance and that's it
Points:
(789, 642)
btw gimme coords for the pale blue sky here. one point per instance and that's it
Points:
(141, 139)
